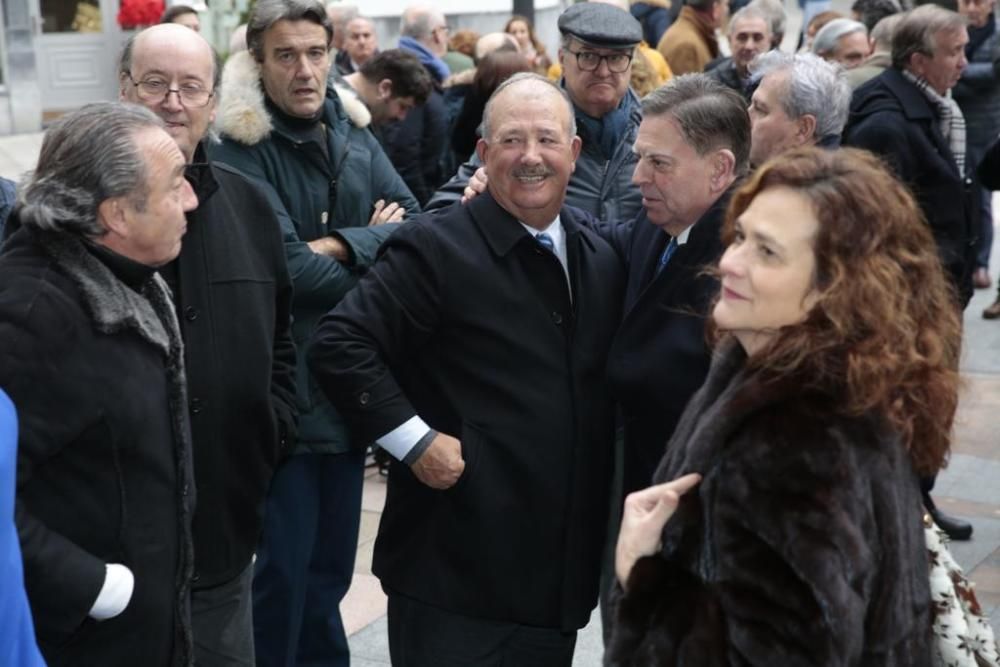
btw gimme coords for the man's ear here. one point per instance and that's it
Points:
(805, 129)
(482, 149)
(723, 168)
(111, 215)
(384, 89)
(575, 145)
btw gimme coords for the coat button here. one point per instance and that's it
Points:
(364, 398)
(556, 317)
(195, 578)
(196, 405)
(185, 489)
(190, 314)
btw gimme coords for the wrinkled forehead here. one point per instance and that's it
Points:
(749, 25)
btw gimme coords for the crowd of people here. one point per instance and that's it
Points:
(635, 323)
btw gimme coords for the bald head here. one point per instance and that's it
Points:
(494, 41)
(172, 71)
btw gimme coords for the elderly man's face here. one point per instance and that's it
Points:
(674, 179)
(360, 42)
(153, 230)
(942, 69)
(748, 38)
(296, 62)
(170, 58)
(529, 153)
(851, 50)
(771, 130)
(599, 91)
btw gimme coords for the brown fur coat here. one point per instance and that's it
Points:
(802, 545)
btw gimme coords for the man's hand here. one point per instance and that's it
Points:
(383, 213)
(331, 247)
(441, 464)
(476, 186)
(646, 512)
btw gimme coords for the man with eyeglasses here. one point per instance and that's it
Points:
(598, 44)
(232, 294)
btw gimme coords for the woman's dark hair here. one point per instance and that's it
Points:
(177, 10)
(495, 68)
(884, 334)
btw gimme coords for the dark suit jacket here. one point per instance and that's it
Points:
(468, 322)
(660, 355)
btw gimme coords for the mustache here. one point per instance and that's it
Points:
(533, 172)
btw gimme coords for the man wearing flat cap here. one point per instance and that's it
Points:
(598, 44)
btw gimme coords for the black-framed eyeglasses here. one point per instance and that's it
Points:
(588, 61)
(157, 90)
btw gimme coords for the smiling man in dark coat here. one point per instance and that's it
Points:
(92, 358)
(474, 352)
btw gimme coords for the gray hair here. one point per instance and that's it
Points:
(917, 30)
(813, 86)
(417, 22)
(268, 12)
(775, 12)
(747, 13)
(125, 60)
(87, 157)
(826, 39)
(710, 115)
(521, 77)
(883, 31)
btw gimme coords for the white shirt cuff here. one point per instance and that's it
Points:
(400, 440)
(115, 593)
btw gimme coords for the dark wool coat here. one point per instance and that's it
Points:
(802, 545)
(104, 462)
(893, 119)
(313, 197)
(468, 322)
(233, 299)
(660, 354)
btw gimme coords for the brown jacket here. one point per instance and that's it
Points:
(690, 43)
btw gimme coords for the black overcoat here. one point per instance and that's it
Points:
(95, 371)
(802, 545)
(233, 299)
(468, 322)
(893, 119)
(660, 354)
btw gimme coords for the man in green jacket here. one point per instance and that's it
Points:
(328, 181)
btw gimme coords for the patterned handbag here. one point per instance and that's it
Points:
(962, 636)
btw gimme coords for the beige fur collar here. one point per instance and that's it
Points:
(242, 114)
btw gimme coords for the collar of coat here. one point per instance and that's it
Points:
(244, 117)
(114, 306)
(503, 231)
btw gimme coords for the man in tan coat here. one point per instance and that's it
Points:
(690, 43)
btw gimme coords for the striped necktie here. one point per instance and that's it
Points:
(668, 252)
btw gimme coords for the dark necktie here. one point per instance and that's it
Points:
(545, 241)
(668, 252)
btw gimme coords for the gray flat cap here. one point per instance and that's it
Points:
(601, 25)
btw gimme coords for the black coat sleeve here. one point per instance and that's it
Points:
(394, 309)
(37, 370)
(283, 353)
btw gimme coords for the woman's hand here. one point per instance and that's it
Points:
(646, 512)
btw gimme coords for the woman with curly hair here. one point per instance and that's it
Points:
(794, 536)
(531, 48)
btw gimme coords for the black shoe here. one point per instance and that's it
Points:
(956, 529)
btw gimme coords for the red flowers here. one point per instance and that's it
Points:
(139, 13)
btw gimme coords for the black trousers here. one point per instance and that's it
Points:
(424, 636)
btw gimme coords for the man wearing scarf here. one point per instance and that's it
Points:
(907, 116)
